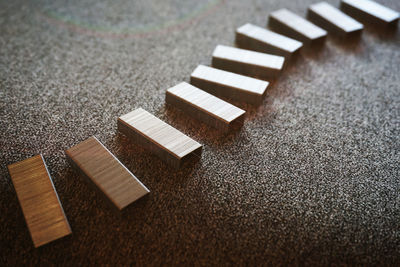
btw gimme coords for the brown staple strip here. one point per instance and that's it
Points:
(107, 173)
(38, 198)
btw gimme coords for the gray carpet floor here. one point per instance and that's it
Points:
(312, 178)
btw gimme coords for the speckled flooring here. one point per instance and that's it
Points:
(312, 177)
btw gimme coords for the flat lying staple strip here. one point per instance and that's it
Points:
(204, 106)
(288, 23)
(228, 84)
(246, 62)
(160, 138)
(38, 198)
(259, 39)
(370, 11)
(103, 170)
(333, 20)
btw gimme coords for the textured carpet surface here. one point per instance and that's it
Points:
(311, 178)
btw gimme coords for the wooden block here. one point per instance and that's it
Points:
(292, 25)
(160, 138)
(204, 106)
(39, 201)
(333, 20)
(106, 173)
(260, 39)
(370, 11)
(246, 62)
(229, 84)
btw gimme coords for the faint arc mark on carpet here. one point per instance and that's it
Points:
(110, 32)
